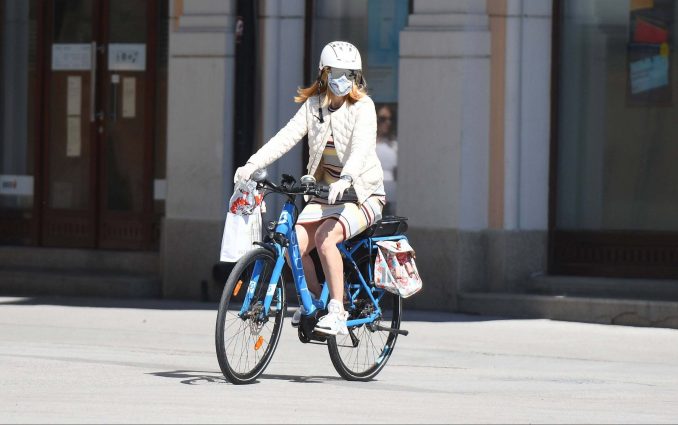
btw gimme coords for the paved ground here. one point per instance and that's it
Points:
(103, 361)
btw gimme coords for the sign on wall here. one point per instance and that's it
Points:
(126, 57)
(71, 57)
(16, 185)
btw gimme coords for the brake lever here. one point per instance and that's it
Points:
(321, 190)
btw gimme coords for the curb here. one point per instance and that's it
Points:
(626, 312)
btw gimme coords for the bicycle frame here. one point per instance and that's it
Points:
(285, 227)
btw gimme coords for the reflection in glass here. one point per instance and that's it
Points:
(72, 21)
(387, 151)
(128, 21)
(17, 91)
(617, 149)
(127, 138)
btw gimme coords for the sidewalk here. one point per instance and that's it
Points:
(102, 361)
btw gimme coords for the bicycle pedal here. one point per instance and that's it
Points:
(402, 332)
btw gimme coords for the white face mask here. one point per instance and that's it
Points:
(340, 86)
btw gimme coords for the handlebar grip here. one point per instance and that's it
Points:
(349, 194)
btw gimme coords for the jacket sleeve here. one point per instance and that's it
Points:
(363, 140)
(283, 141)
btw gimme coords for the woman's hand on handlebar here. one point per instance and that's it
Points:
(244, 172)
(337, 190)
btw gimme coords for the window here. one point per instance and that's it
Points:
(18, 93)
(616, 203)
(618, 104)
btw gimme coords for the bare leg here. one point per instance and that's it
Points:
(306, 245)
(328, 235)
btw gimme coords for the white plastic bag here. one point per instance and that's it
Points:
(395, 269)
(243, 222)
(240, 232)
(246, 199)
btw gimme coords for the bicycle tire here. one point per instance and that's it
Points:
(250, 332)
(364, 362)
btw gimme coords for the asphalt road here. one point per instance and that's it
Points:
(108, 361)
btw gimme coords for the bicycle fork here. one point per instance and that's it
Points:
(271, 289)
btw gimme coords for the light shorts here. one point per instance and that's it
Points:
(353, 218)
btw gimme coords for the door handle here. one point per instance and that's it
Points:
(92, 81)
(113, 113)
(115, 82)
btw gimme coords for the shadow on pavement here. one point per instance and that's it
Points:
(164, 304)
(193, 377)
(301, 379)
(156, 304)
(442, 316)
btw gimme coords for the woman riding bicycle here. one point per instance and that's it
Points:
(341, 126)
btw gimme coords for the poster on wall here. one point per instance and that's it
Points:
(129, 97)
(651, 26)
(73, 119)
(74, 95)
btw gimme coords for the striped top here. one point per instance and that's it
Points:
(353, 218)
(331, 166)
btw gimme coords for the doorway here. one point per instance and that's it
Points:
(98, 117)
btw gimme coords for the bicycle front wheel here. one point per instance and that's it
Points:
(361, 355)
(246, 337)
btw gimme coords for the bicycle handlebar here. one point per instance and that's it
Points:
(317, 190)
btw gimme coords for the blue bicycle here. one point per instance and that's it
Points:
(254, 303)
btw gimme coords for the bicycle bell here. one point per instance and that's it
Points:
(259, 175)
(307, 180)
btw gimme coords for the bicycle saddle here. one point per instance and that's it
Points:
(387, 226)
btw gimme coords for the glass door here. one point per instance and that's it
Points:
(70, 139)
(98, 144)
(126, 150)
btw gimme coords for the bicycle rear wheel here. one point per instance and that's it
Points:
(246, 340)
(362, 355)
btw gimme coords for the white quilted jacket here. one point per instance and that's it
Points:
(354, 128)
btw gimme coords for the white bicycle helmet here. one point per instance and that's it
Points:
(340, 54)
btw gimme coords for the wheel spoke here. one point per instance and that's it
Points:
(240, 358)
(370, 355)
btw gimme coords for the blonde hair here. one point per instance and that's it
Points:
(303, 93)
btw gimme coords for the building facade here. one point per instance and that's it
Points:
(529, 142)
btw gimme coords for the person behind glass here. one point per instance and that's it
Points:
(387, 151)
(341, 125)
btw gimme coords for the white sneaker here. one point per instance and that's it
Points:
(297, 316)
(334, 322)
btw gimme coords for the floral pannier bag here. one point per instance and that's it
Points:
(395, 269)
